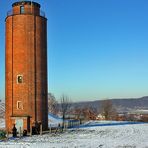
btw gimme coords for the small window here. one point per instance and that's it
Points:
(22, 10)
(19, 79)
(19, 105)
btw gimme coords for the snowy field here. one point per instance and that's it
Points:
(93, 134)
(120, 136)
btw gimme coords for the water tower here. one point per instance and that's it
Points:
(26, 66)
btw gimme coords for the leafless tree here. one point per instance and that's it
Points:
(89, 113)
(64, 106)
(52, 104)
(108, 110)
(78, 112)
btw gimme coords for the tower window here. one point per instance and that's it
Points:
(19, 79)
(22, 10)
(19, 105)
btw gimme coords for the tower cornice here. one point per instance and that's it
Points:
(26, 3)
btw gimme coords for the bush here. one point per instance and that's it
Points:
(2, 134)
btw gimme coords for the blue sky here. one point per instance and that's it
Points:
(96, 48)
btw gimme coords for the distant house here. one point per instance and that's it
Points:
(100, 117)
(121, 117)
(139, 115)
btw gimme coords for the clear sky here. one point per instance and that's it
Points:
(96, 48)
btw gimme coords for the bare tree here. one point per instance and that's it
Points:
(64, 106)
(89, 113)
(108, 110)
(52, 104)
(78, 112)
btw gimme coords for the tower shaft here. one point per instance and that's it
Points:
(26, 66)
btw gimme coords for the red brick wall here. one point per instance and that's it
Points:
(8, 75)
(28, 9)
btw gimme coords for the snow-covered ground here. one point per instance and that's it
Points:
(54, 120)
(2, 123)
(120, 136)
(93, 134)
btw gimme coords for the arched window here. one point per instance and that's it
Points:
(22, 10)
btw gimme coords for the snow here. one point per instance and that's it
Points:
(140, 111)
(119, 136)
(53, 120)
(93, 134)
(2, 123)
(108, 123)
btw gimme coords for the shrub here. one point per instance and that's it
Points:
(2, 134)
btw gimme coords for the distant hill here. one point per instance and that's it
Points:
(122, 105)
(128, 104)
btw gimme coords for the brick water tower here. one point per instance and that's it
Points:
(26, 66)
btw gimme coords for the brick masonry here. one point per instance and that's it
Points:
(26, 55)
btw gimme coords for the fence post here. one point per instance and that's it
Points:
(64, 126)
(50, 128)
(20, 132)
(31, 131)
(41, 130)
(7, 135)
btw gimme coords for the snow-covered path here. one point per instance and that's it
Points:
(121, 136)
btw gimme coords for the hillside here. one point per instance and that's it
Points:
(122, 105)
